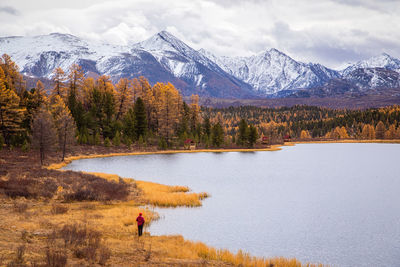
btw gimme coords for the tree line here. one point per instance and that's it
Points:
(308, 122)
(97, 111)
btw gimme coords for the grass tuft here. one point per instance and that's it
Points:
(169, 196)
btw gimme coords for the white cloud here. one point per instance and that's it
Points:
(331, 32)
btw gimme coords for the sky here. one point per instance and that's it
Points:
(331, 32)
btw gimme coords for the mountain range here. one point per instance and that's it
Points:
(165, 58)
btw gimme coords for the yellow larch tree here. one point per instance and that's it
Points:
(168, 108)
(11, 114)
(39, 96)
(76, 78)
(12, 78)
(59, 87)
(304, 134)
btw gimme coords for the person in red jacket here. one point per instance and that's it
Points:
(140, 223)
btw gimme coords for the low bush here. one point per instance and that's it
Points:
(20, 206)
(85, 243)
(56, 258)
(28, 187)
(58, 209)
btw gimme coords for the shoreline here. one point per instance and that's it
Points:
(232, 258)
(68, 160)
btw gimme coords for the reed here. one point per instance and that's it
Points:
(178, 247)
(169, 196)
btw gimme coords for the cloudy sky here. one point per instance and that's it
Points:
(331, 32)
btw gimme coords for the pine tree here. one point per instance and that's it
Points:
(128, 125)
(217, 135)
(194, 112)
(207, 127)
(140, 120)
(243, 133)
(253, 135)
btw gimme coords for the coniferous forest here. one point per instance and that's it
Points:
(95, 111)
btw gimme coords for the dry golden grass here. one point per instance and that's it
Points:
(117, 224)
(107, 176)
(178, 247)
(169, 196)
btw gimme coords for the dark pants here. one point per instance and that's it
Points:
(140, 229)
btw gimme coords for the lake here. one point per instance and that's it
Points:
(336, 204)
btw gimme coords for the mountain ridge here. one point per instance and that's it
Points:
(165, 58)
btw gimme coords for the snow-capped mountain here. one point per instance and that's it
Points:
(380, 61)
(161, 58)
(373, 78)
(165, 58)
(272, 71)
(192, 67)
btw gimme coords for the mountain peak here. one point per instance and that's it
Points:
(163, 41)
(167, 35)
(382, 60)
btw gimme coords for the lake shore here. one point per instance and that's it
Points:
(32, 226)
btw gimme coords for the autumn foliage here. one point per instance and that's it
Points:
(88, 111)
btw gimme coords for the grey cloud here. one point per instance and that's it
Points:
(9, 10)
(235, 2)
(331, 49)
(330, 32)
(384, 6)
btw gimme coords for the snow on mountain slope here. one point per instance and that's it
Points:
(373, 78)
(165, 58)
(190, 65)
(380, 61)
(40, 55)
(272, 71)
(161, 58)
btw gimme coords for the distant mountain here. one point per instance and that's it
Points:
(380, 61)
(272, 71)
(201, 74)
(161, 58)
(165, 58)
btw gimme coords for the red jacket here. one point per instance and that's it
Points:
(140, 220)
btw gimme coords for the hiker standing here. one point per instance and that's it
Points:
(140, 223)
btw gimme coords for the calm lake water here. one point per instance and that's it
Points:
(337, 204)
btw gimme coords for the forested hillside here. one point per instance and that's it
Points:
(91, 111)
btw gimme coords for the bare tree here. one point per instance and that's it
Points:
(64, 124)
(44, 134)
